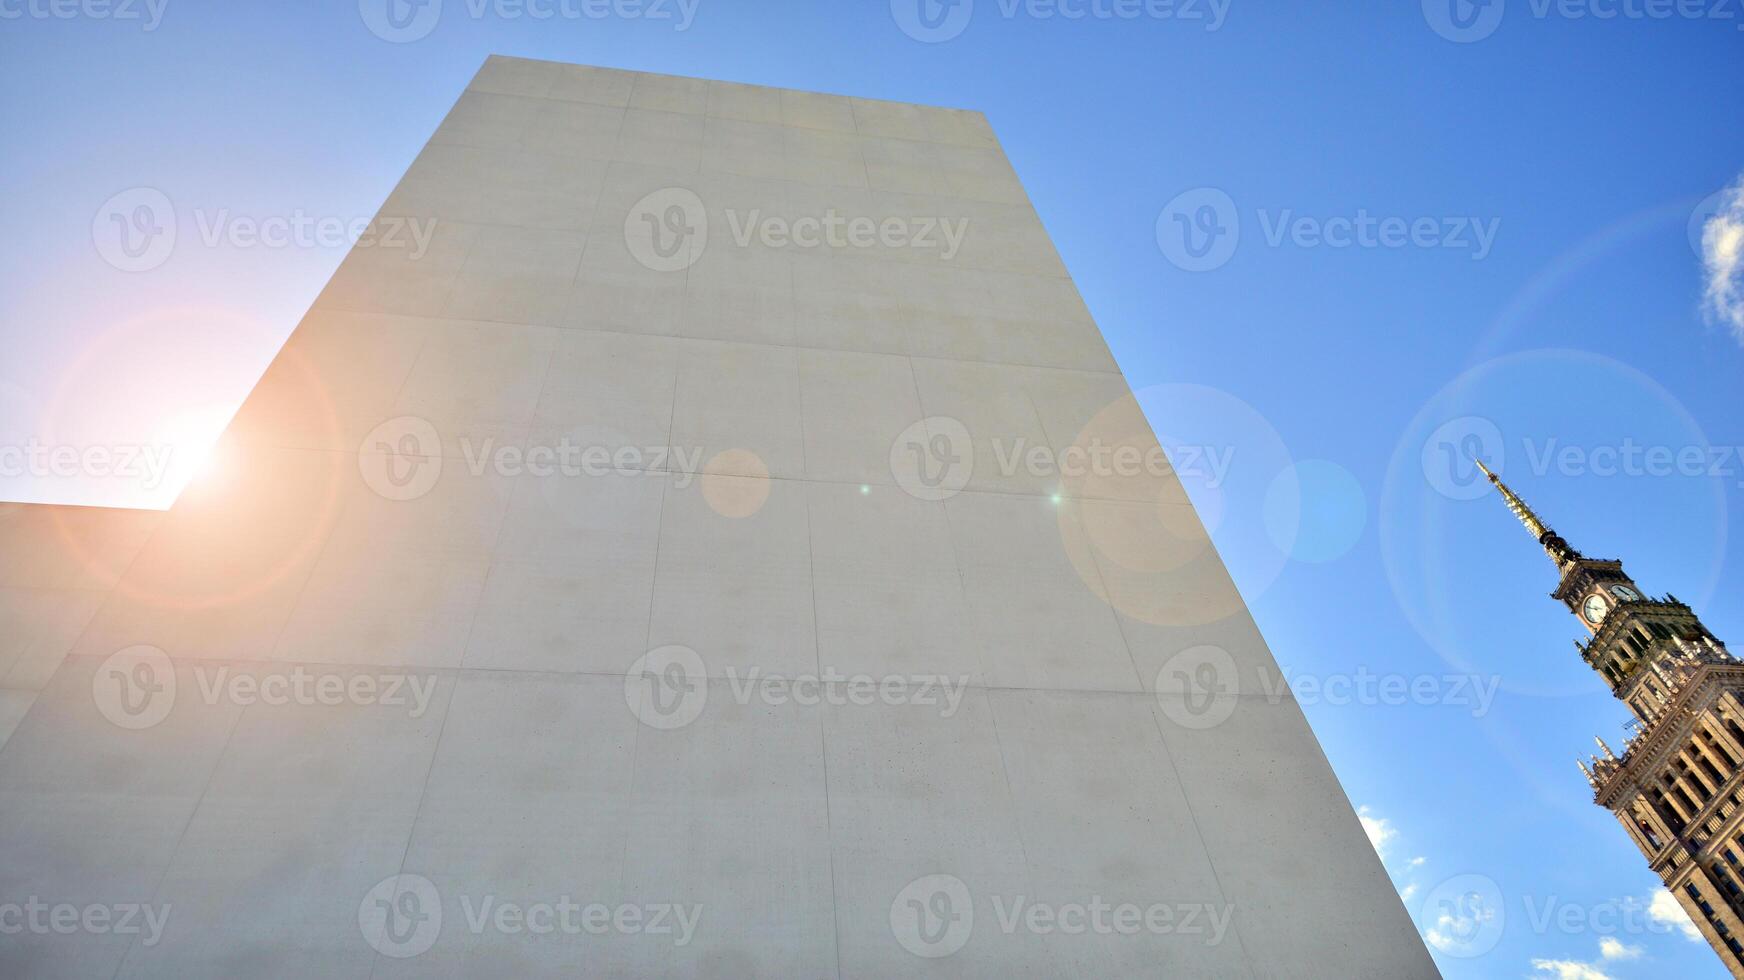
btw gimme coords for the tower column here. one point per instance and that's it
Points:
(1714, 772)
(1719, 733)
(1676, 806)
(1692, 774)
(1697, 798)
(1703, 750)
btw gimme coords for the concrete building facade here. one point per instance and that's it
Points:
(710, 537)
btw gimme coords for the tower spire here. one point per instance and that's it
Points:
(1553, 544)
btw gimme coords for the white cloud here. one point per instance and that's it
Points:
(1723, 261)
(1380, 830)
(1663, 908)
(1612, 948)
(1569, 970)
(1453, 928)
(1382, 834)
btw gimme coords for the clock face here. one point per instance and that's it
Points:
(1625, 593)
(1594, 608)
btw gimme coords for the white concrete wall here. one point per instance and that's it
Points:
(404, 686)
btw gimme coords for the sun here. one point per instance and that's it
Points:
(182, 447)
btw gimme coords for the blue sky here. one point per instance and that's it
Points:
(1545, 302)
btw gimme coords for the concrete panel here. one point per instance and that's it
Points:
(736, 586)
(1274, 864)
(37, 629)
(70, 547)
(247, 898)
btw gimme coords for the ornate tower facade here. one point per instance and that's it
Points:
(1678, 785)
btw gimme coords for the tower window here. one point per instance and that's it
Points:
(1725, 879)
(1701, 903)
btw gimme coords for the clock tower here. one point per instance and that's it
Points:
(1678, 785)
